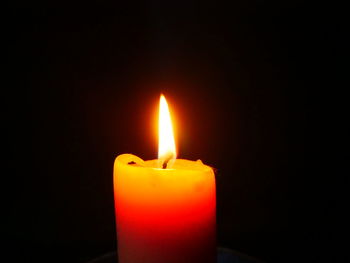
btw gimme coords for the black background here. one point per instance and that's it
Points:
(83, 86)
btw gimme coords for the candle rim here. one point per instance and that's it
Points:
(196, 166)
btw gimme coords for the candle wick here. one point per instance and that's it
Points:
(166, 160)
(165, 164)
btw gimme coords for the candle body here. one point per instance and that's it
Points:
(164, 215)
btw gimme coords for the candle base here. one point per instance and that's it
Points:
(224, 255)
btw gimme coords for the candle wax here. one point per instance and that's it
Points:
(164, 215)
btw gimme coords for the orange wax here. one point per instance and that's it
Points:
(164, 215)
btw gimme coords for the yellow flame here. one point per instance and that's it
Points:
(166, 146)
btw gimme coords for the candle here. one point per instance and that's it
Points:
(165, 208)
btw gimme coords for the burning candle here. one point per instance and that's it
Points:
(165, 208)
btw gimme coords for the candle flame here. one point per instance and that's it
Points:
(166, 146)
